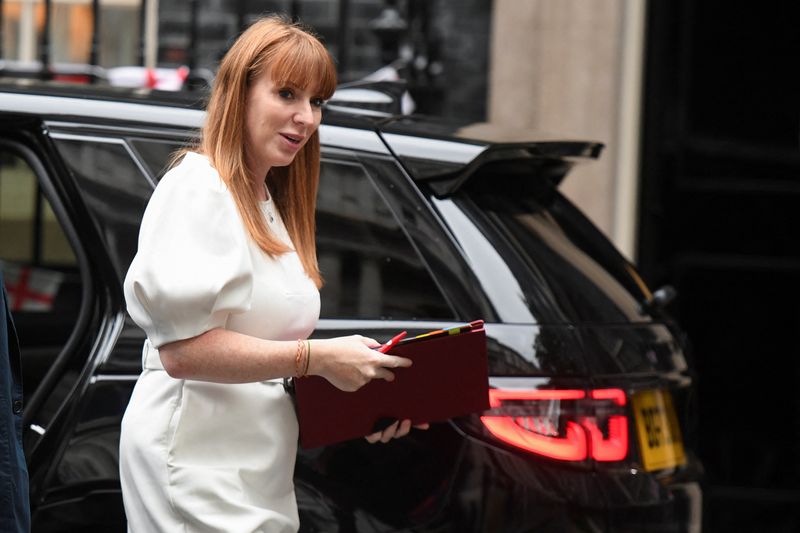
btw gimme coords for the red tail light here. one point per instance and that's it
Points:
(614, 446)
(564, 424)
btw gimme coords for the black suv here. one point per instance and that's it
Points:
(421, 225)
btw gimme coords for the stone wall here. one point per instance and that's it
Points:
(561, 68)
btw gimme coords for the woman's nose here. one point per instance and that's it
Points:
(304, 114)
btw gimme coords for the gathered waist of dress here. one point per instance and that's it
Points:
(151, 360)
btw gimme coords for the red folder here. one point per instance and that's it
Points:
(449, 378)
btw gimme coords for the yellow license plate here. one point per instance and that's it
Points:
(659, 433)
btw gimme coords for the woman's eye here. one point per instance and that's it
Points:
(285, 93)
(317, 102)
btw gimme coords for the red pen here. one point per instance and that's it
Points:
(394, 340)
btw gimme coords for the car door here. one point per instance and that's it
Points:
(54, 260)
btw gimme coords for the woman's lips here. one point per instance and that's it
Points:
(294, 140)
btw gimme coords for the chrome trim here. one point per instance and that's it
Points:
(358, 111)
(123, 131)
(82, 137)
(108, 140)
(113, 377)
(518, 383)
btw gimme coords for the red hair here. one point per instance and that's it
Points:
(294, 55)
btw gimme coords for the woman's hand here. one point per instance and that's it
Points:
(349, 363)
(395, 431)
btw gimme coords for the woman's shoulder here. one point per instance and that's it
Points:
(194, 173)
(193, 186)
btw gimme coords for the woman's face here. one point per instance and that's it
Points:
(279, 119)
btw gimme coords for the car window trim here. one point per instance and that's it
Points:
(140, 159)
(166, 134)
(57, 136)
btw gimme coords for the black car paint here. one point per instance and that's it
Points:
(450, 478)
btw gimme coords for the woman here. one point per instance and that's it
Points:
(225, 284)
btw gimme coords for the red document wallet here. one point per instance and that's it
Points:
(449, 378)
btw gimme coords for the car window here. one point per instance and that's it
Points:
(156, 154)
(565, 272)
(39, 266)
(30, 232)
(115, 188)
(369, 267)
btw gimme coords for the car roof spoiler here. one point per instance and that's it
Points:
(549, 161)
(447, 164)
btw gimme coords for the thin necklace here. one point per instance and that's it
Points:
(269, 204)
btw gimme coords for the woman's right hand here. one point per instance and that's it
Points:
(351, 362)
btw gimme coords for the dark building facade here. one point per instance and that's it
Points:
(719, 220)
(439, 46)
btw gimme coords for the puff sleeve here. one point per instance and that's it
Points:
(192, 268)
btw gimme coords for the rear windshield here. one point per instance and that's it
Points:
(540, 260)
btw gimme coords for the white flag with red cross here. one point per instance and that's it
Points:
(30, 288)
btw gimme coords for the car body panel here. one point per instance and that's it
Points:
(453, 477)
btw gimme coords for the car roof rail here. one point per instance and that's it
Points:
(375, 98)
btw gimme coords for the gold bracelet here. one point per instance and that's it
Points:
(308, 357)
(298, 358)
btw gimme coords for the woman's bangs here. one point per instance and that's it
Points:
(304, 64)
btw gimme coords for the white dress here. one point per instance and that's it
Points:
(198, 456)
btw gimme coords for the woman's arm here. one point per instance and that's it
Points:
(225, 356)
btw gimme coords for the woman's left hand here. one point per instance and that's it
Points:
(395, 431)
